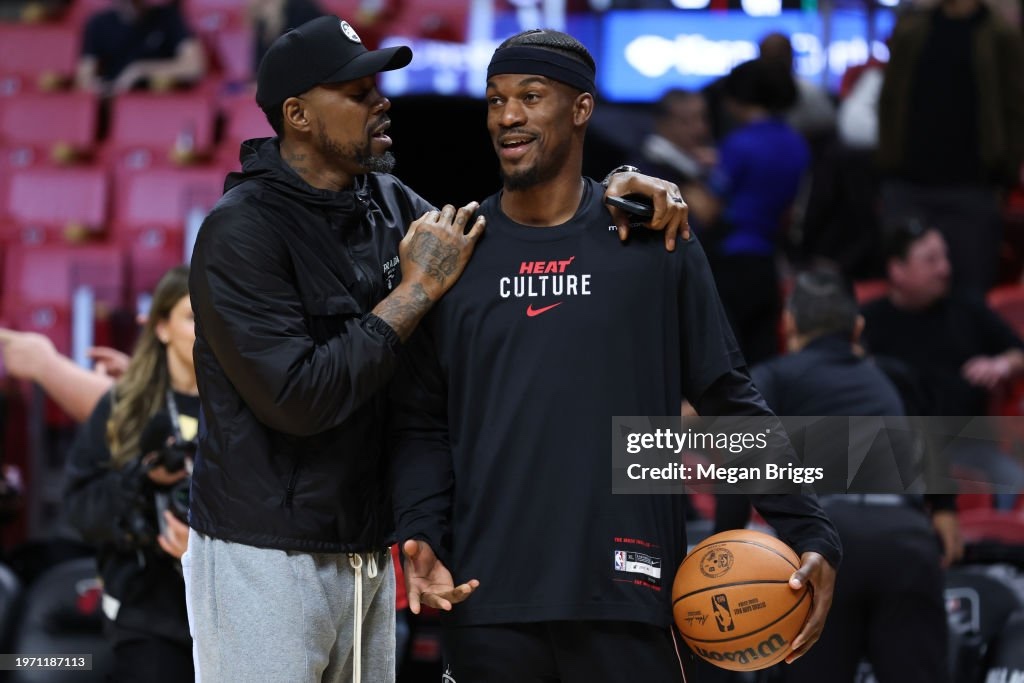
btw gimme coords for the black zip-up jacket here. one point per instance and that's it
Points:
(289, 359)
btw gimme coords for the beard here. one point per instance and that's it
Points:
(354, 153)
(543, 170)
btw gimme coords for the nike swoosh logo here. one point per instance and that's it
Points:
(533, 312)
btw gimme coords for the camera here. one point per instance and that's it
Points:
(144, 519)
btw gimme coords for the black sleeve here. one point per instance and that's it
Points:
(176, 28)
(96, 496)
(709, 349)
(765, 384)
(420, 448)
(998, 336)
(799, 520)
(249, 311)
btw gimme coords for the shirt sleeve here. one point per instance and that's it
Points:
(249, 311)
(709, 349)
(92, 38)
(996, 334)
(798, 519)
(422, 470)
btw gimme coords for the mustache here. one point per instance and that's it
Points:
(514, 132)
(382, 124)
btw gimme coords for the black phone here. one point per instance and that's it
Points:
(636, 205)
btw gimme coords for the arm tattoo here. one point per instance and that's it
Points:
(402, 310)
(438, 260)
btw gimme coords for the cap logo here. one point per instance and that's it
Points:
(350, 32)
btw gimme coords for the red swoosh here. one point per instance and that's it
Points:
(532, 312)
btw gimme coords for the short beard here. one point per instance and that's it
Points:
(522, 180)
(379, 164)
(354, 154)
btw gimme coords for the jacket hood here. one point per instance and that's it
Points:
(261, 161)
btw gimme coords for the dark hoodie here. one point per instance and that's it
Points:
(289, 359)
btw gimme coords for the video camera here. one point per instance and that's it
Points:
(158, 446)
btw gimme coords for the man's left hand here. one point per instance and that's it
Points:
(671, 213)
(816, 570)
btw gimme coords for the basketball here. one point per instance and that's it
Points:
(732, 602)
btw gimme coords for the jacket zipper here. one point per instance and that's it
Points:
(289, 493)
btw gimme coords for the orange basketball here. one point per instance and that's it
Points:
(732, 601)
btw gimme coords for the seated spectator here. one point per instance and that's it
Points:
(139, 43)
(956, 347)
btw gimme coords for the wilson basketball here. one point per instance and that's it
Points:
(732, 602)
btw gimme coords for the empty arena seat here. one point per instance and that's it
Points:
(981, 524)
(869, 290)
(62, 616)
(148, 129)
(234, 51)
(152, 211)
(978, 605)
(47, 127)
(43, 204)
(243, 120)
(36, 56)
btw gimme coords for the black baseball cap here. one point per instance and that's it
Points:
(324, 50)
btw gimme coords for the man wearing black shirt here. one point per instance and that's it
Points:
(956, 348)
(878, 613)
(502, 410)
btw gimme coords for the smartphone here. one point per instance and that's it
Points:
(637, 205)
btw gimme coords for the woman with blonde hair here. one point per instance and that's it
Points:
(126, 491)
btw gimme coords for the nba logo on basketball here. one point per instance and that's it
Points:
(723, 616)
(620, 560)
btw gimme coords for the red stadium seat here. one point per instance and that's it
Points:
(234, 51)
(243, 120)
(147, 128)
(47, 127)
(80, 11)
(151, 210)
(42, 204)
(980, 524)
(31, 55)
(433, 19)
(1008, 302)
(869, 290)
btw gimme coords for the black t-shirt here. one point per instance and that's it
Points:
(116, 41)
(504, 403)
(935, 343)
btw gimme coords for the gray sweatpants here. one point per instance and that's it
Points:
(259, 614)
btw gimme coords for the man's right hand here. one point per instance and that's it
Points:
(436, 249)
(433, 255)
(428, 581)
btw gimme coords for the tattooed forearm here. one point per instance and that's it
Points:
(437, 259)
(404, 308)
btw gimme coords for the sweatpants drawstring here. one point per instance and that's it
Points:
(356, 561)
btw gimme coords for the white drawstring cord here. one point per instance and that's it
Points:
(356, 561)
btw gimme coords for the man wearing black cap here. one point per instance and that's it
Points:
(304, 288)
(503, 402)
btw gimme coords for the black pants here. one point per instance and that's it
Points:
(888, 605)
(565, 652)
(150, 659)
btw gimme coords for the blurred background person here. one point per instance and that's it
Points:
(877, 614)
(760, 169)
(951, 129)
(955, 348)
(120, 469)
(813, 114)
(139, 43)
(33, 357)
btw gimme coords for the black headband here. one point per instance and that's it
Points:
(526, 59)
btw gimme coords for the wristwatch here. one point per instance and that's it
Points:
(625, 168)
